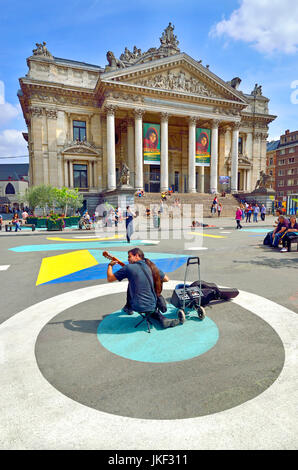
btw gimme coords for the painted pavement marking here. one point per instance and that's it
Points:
(35, 415)
(4, 267)
(78, 245)
(206, 235)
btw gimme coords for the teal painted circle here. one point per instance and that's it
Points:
(117, 334)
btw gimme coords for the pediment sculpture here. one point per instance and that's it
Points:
(80, 147)
(176, 82)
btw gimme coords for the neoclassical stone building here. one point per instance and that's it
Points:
(85, 121)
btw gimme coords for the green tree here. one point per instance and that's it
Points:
(67, 197)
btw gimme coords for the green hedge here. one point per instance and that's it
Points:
(55, 224)
(41, 222)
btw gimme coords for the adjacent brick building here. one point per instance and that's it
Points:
(286, 173)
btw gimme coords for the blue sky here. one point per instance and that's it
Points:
(256, 40)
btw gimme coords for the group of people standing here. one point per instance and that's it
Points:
(246, 210)
(216, 207)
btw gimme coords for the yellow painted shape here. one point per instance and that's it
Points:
(84, 239)
(206, 235)
(54, 267)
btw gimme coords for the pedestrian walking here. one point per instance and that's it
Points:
(263, 212)
(256, 211)
(128, 216)
(238, 218)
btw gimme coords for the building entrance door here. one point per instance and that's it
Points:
(154, 179)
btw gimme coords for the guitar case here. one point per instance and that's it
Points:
(219, 293)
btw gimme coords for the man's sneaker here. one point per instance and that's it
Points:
(284, 249)
(127, 310)
(170, 322)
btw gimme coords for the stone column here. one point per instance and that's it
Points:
(164, 157)
(70, 174)
(37, 132)
(139, 183)
(51, 115)
(214, 157)
(111, 151)
(248, 146)
(66, 180)
(192, 155)
(248, 181)
(234, 162)
(131, 151)
(90, 183)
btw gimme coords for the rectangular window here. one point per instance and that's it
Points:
(291, 160)
(282, 152)
(177, 181)
(282, 162)
(240, 145)
(291, 182)
(79, 130)
(292, 150)
(291, 171)
(80, 179)
(280, 183)
(271, 161)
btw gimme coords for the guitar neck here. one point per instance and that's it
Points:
(113, 258)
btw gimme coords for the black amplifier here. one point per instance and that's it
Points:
(191, 293)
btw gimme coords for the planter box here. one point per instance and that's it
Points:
(55, 224)
(41, 222)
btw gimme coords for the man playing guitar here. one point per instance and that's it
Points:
(144, 284)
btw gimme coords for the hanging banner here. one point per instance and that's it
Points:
(151, 144)
(224, 179)
(203, 147)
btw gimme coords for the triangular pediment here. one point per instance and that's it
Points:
(176, 74)
(80, 147)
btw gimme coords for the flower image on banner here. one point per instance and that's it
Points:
(203, 147)
(151, 144)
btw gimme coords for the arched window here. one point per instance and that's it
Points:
(9, 189)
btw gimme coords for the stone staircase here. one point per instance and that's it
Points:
(229, 202)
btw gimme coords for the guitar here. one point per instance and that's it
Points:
(112, 258)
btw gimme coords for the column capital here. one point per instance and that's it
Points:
(215, 123)
(139, 113)
(192, 120)
(51, 113)
(236, 126)
(164, 117)
(110, 109)
(36, 111)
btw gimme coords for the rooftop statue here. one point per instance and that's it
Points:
(168, 46)
(41, 50)
(257, 91)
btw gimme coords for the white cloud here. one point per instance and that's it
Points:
(12, 143)
(269, 25)
(7, 110)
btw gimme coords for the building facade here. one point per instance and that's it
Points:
(287, 165)
(85, 122)
(271, 162)
(13, 183)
